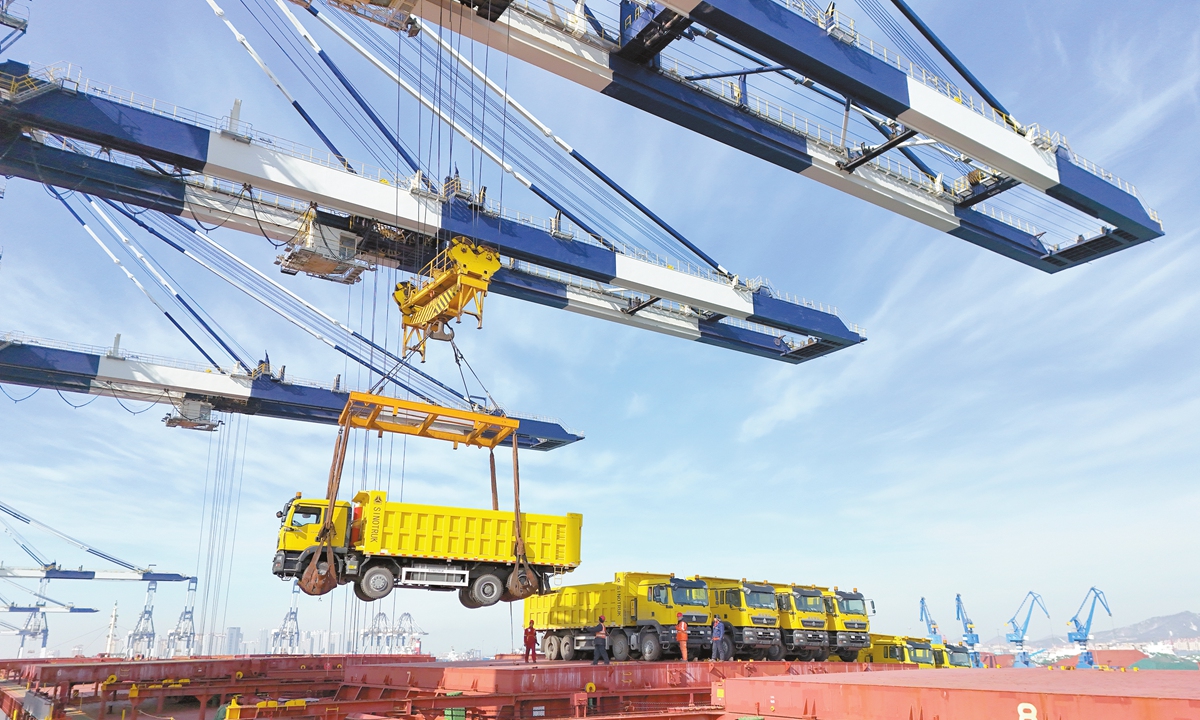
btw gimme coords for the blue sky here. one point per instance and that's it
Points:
(1002, 430)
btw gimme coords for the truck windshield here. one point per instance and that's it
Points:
(689, 596)
(852, 607)
(306, 516)
(921, 655)
(958, 658)
(809, 603)
(764, 600)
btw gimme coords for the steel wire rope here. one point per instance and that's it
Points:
(214, 257)
(73, 405)
(237, 507)
(317, 72)
(551, 156)
(10, 397)
(195, 310)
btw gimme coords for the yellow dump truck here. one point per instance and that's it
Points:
(898, 649)
(639, 611)
(751, 618)
(847, 623)
(379, 545)
(802, 621)
(951, 656)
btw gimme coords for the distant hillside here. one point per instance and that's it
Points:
(1156, 629)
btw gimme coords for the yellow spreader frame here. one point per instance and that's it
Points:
(457, 284)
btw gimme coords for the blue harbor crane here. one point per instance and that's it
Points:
(930, 624)
(1017, 636)
(970, 637)
(1082, 632)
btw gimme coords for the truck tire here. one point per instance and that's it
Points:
(820, 655)
(848, 655)
(550, 646)
(358, 593)
(464, 597)
(486, 590)
(566, 646)
(775, 652)
(375, 583)
(620, 645)
(650, 647)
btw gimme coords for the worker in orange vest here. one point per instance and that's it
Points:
(681, 635)
(530, 643)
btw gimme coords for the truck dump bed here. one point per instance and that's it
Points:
(576, 606)
(465, 534)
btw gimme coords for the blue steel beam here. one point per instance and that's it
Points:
(96, 373)
(772, 30)
(139, 132)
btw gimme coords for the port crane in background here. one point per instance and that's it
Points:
(930, 624)
(1021, 658)
(36, 626)
(970, 637)
(1082, 632)
(142, 638)
(954, 160)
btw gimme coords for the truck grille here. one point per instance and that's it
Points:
(695, 619)
(812, 623)
(850, 625)
(763, 620)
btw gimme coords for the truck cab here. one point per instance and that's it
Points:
(750, 615)
(899, 649)
(951, 656)
(802, 622)
(846, 622)
(665, 598)
(300, 521)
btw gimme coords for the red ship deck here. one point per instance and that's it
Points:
(416, 688)
(1022, 694)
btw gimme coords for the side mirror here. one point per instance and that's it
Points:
(872, 606)
(279, 514)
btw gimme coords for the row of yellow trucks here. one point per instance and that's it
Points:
(378, 545)
(761, 620)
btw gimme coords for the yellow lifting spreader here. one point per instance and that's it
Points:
(457, 284)
(460, 427)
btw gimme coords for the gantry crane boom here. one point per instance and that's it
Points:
(823, 48)
(709, 308)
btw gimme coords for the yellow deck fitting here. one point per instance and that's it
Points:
(457, 284)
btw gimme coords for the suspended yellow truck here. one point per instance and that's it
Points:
(379, 545)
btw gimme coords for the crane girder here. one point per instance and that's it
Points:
(823, 46)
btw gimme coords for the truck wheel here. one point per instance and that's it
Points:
(849, 655)
(650, 646)
(620, 645)
(375, 583)
(775, 652)
(464, 597)
(758, 654)
(550, 646)
(358, 593)
(486, 590)
(566, 647)
(820, 655)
